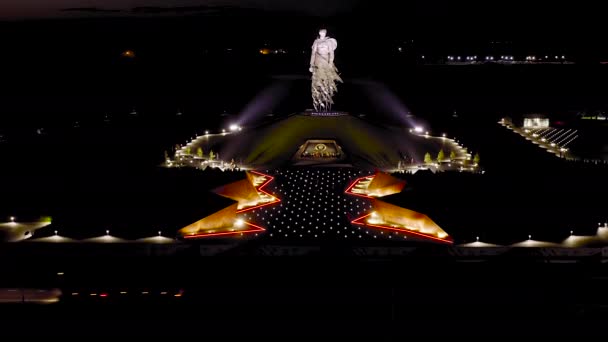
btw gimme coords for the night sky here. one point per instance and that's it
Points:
(25, 9)
(538, 17)
(478, 10)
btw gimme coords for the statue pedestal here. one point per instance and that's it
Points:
(327, 113)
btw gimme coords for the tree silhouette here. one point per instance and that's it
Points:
(199, 152)
(440, 156)
(428, 159)
(453, 155)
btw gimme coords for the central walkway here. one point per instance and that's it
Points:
(314, 206)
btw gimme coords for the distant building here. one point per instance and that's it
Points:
(536, 121)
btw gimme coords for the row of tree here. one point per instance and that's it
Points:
(441, 156)
(199, 152)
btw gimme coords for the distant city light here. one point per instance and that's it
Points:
(128, 54)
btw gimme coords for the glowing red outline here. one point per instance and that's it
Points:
(259, 188)
(402, 230)
(256, 229)
(348, 190)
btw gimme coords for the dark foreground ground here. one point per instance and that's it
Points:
(379, 298)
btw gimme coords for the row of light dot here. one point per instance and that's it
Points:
(390, 233)
(311, 205)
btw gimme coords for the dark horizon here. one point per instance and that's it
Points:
(477, 18)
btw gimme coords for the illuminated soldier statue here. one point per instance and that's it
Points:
(324, 72)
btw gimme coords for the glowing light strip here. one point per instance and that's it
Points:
(260, 188)
(402, 230)
(348, 190)
(256, 229)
